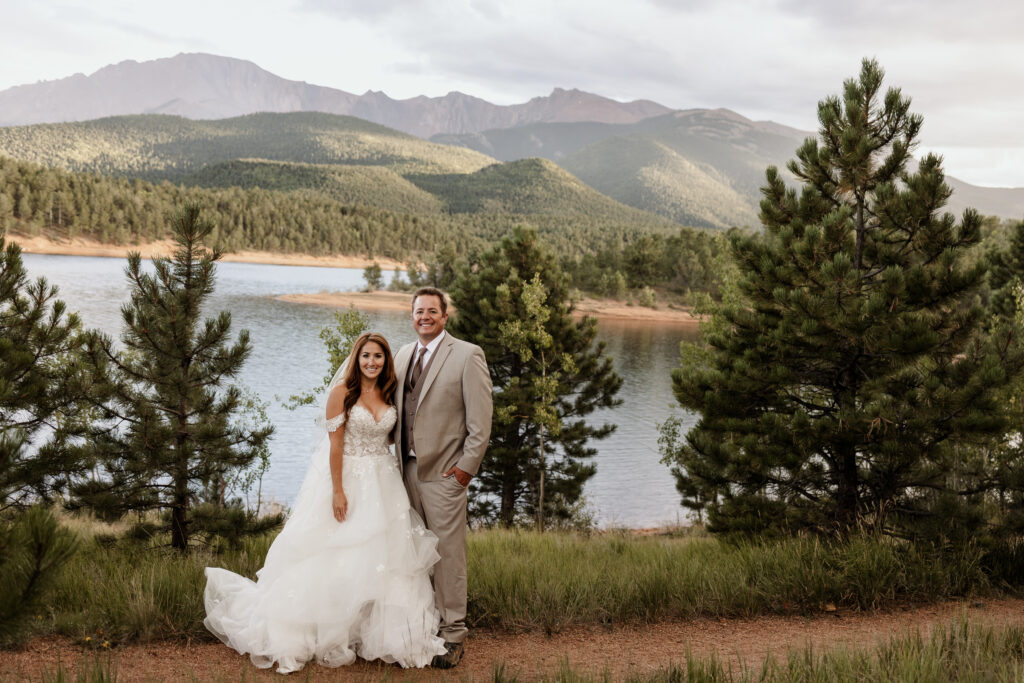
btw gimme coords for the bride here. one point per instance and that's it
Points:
(350, 572)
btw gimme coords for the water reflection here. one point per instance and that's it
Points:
(631, 487)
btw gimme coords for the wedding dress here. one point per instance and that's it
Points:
(329, 591)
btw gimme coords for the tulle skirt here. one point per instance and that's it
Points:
(330, 591)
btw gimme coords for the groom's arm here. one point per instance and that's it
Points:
(476, 395)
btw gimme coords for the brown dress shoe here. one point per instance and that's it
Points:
(453, 653)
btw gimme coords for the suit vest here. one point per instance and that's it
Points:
(410, 400)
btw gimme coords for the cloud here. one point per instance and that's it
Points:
(361, 9)
(766, 59)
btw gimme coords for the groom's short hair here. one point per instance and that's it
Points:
(432, 291)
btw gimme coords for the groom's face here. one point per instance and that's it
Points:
(427, 318)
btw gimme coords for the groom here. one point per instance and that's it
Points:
(444, 421)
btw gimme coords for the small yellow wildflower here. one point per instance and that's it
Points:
(106, 643)
(88, 639)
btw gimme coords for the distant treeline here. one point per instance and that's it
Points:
(688, 261)
(603, 256)
(122, 211)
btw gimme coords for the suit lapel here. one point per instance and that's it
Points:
(444, 349)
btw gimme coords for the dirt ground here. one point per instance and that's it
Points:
(616, 650)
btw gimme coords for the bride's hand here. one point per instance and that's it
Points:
(340, 504)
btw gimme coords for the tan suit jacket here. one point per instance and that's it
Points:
(453, 416)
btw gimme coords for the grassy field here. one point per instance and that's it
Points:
(121, 591)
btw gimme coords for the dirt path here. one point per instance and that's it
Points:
(619, 650)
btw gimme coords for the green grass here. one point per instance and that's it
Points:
(523, 579)
(117, 590)
(122, 592)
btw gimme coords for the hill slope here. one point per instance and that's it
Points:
(651, 176)
(700, 167)
(169, 147)
(366, 185)
(529, 187)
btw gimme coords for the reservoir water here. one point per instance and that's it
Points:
(631, 487)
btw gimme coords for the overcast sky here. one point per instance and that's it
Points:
(962, 63)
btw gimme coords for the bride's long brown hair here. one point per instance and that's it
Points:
(386, 380)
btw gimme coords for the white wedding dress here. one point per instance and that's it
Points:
(329, 591)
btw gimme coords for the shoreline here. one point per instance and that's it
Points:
(81, 246)
(603, 309)
(381, 300)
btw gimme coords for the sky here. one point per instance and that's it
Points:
(961, 63)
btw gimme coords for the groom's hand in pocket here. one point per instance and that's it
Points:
(462, 477)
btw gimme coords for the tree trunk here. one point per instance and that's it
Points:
(847, 502)
(543, 466)
(179, 504)
(506, 515)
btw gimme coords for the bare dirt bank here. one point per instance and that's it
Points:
(399, 301)
(80, 246)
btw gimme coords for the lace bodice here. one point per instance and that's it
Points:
(364, 436)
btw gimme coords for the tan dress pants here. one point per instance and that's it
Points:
(442, 505)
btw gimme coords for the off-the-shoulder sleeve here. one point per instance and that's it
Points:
(335, 422)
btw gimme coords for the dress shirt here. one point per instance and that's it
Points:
(431, 347)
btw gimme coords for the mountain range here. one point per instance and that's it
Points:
(203, 86)
(700, 167)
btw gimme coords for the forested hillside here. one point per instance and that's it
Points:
(158, 147)
(325, 184)
(35, 199)
(528, 187)
(366, 185)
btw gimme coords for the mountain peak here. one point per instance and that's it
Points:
(199, 85)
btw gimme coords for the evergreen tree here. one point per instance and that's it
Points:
(174, 436)
(374, 277)
(33, 548)
(846, 382)
(496, 312)
(42, 386)
(1006, 273)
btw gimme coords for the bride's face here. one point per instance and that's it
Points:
(371, 360)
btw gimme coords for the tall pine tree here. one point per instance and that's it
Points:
(497, 311)
(174, 434)
(43, 387)
(845, 383)
(43, 412)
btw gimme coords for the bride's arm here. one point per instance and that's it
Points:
(335, 409)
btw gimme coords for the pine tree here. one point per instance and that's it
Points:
(495, 311)
(845, 384)
(43, 387)
(174, 434)
(33, 549)
(1006, 273)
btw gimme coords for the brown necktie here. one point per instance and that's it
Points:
(417, 369)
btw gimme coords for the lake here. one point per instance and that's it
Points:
(631, 487)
